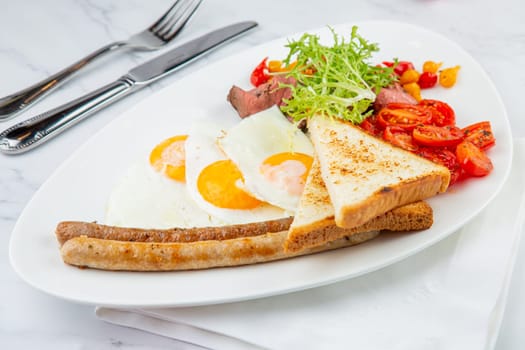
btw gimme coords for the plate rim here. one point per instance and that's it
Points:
(376, 267)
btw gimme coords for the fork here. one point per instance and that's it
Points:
(154, 37)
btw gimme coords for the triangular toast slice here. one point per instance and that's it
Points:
(315, 210)
(365, 176)
(313, 224)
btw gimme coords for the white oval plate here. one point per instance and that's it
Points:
(79, 188)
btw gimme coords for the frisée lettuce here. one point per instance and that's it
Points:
(335, 80)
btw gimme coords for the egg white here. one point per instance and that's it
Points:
(202, 150)
(144, 198)
(258, 137)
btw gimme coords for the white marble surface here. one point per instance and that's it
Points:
(39, 37)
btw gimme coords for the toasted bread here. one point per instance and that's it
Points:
(314, 222)
(365, 176)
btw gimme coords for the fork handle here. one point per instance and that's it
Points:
(15, 103)
(34, 131)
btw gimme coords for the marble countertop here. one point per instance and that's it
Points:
(40, 37)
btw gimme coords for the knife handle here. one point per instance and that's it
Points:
(30, 133)
(12, 105)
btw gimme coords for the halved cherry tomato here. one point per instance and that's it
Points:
(480, 134)
(473, 160)
(427, 80)
(259, 75)
(369, 125)
(445, 157)
(437, 136)
(399, 137)
(403, 115)
(447, 117)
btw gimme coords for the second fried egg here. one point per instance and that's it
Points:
(215, 182)
(273, 155)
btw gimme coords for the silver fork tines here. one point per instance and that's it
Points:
(154, 37)
(172, 22)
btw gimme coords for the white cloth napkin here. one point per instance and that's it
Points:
(450, 296)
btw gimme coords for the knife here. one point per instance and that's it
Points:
(30, 133)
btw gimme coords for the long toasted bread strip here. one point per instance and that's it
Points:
(314, 219)
(366, 176)
(148, 256)
(69, 229)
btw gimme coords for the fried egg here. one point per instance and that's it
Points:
(147, 197)
(273, 155)
(215, 182)
(169, 157)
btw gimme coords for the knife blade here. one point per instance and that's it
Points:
(30, 133)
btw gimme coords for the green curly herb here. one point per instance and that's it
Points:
(335, 81)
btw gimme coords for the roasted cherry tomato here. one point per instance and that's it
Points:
(403, 115)
(437, 136)
(401, 67)
(445, 157)
(480, 134)
(446, 115)
(369, 125)
(427, 80)
(259, 75)
(473, 160)
(399, 137)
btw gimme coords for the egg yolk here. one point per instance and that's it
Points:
(169, 157)
(218, 184)
(287, 170)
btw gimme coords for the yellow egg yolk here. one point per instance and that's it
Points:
(169, 157)
(287, 170)
(218, 183)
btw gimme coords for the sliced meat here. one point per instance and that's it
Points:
(394, 93)
(260, 98)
